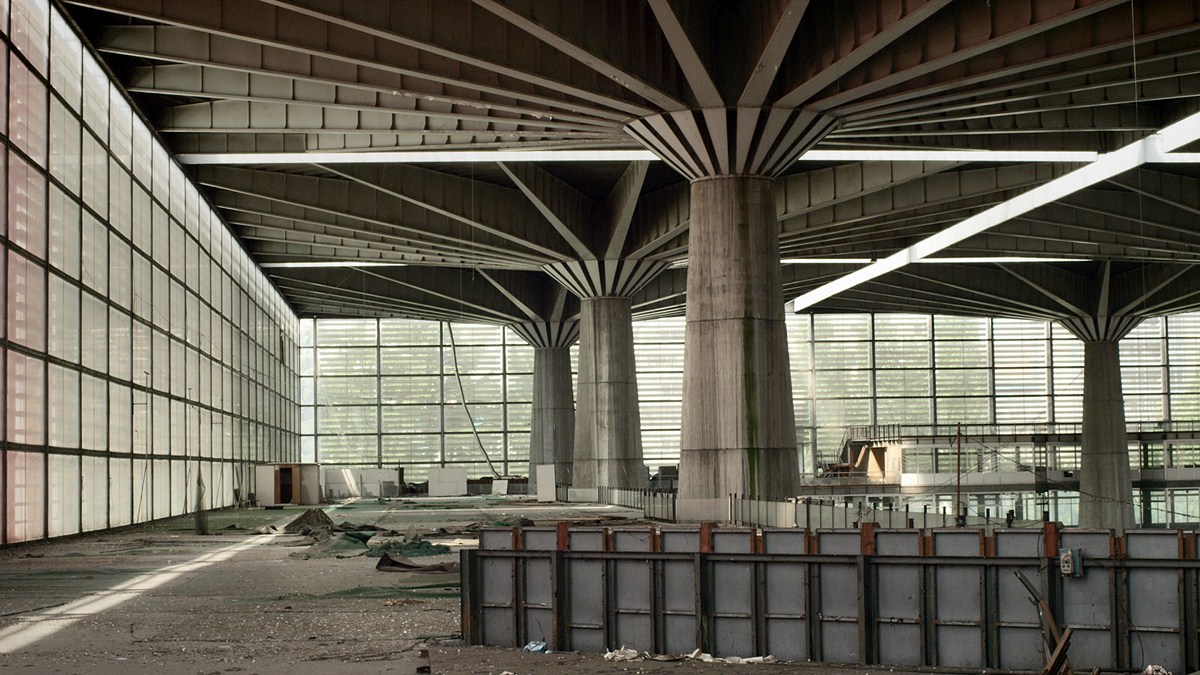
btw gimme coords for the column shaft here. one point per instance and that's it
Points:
(1105, 487)
(739, 433)
(608, 435)
(553, 414)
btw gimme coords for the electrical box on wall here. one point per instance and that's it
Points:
(1070, 562)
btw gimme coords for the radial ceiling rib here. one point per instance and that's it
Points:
(473, 215)
(620, 205)
(258, 30)
(698, 78)
(840, 66)
(499, 69)
(962, 49)
(1118, 48)
(758, 85)
(176, 45)
(609, 70)
(560, 206)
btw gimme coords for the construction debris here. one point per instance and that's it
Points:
(312, 519)
(390, 562)
(627, 654)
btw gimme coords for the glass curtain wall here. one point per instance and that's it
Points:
(141, 351)
(390, 392)
(382, 392)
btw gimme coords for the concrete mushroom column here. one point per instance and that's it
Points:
(552, 418)
(739, 432)
(608, 431)
(1105, 482)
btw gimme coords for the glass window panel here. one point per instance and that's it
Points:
(478, 388)
(836, 327)
(120, 200)
(903, 383)
(161, 370)
(838, 355)
(474, 360)
(26, 302)
(95, 96)
(1020, 381)
(346, 419)
(518, 358)
(27, 111)
(63, 420)
(120, 344)
(660, 414)
(346, 361)
(902, 355)
(95, 175)
(25, 484)
(1068, 381)
(904, 411)
(63, 319)
(964, 410)
(65, 157)
(843, 383)
(903, 327)
(121, 271)
(94, 493)
(66, 61)
(520, 417)
(1022, 409)
(120, 132)
(1143, 408)
(142, 151)
(348, 449)
(30, 30)
(406, 390)
(1141, 380)
(64, 233)
(1029, 353)
(465, 448)
(1144, 352)
(25, 399)
(26, 206)
(520, 388)
(487, 417)
(974, 382)
(94, 271)
(347, 390)
(346, 332)
(960, 354)
(658, 357)
(141, 294)
(94, 333)
(960, 328)
(93, 413)
(410, 418)
(410, 360)
(412, 448)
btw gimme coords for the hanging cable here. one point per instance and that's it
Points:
(463, 396)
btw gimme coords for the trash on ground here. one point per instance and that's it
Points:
(312, 519)
(1154, 669)
(401, 547)
(537, 647)
(391, 562)
(339, 545)
(627, 654)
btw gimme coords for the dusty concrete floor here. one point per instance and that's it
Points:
(161, 599)
(146, 609)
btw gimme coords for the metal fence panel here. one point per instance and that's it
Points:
(958, 592)
(899, 601)
(1089, 603)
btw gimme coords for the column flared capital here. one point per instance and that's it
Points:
(605, 278)
(710, 142)
(547, 334)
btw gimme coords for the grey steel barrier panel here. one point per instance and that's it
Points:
(1089, 602)
(1153, 609)
(586, 612)
(837, 603)
(537, 582)
(1018, 633)
(785, 611)
(680, 628)
(959, 635)
(898, 600)
(733, 589)
(633, 591)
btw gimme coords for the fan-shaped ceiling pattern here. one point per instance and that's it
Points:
(246, 79)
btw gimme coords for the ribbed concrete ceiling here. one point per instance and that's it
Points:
(258, 76)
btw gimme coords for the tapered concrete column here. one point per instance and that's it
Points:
(739, 432)
(608, 429)
(552, 418)
(1105, 488)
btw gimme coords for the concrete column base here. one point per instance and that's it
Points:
(739, 432)
(608, 432)
(1105, 484)
(552, 417)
